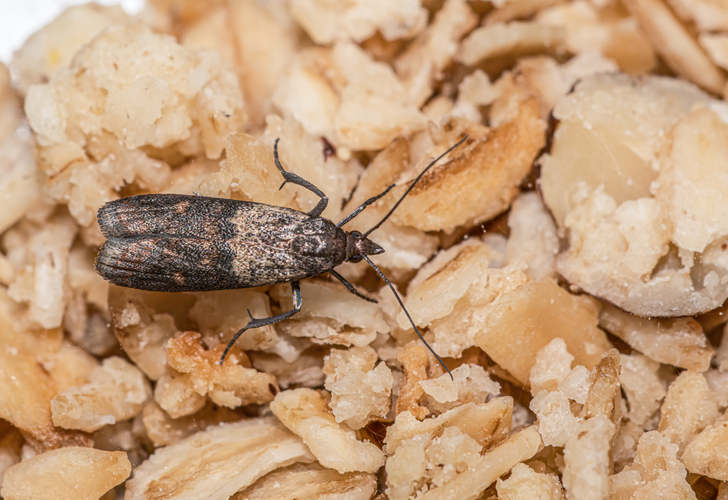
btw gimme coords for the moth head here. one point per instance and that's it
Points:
(359, 245)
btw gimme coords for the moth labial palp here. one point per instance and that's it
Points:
(182, 243)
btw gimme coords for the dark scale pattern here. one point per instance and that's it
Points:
(177, 243)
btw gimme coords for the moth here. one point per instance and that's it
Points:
(184, 243)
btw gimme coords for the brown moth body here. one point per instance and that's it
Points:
(182, 243)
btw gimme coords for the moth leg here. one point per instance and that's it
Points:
(295, 179)
(350, 287)
(258, 322)
(364, 205)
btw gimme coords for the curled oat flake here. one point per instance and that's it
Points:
(306, 412)
(414, 363)
(680, 342)
(233, 384)
(688, 408)
(326, 22)
(117, 391)
(488, 424)
(470, 483)
(47, 476)
(517, 327)
(360, 392)
(470, 384)
(215, 463)
(655, 469)
(586, 454)
(310, 482)
(164, 430)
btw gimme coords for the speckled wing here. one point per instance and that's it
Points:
(176, 243)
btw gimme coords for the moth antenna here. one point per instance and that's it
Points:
(396, 295)
(412, 186)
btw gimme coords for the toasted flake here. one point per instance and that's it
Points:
(693, 178)
(586, 454)
(310, 482)
(451, 454)
(717, 48)
(84, 473)
(212, 31)
(309, 91)
(481, 177)
(598, 129)
(533, 236)
(176, 396)
(518, 9)
(474, 92)
(10, 105)
(263, 41)
(708, 15)
(216, 463)
(29, 386)
(577, 383)
(642, 386)
(406, 468)
(706, 454)
(421, 463)
(52, 48)
(140, 101)
(718, 383)
(304, 369)
(619, 220)
(680, 342)
(360, 392)
(219, 315)
(515, 37)
(41, 280)
(525, 484)
(672, 41)
(164, 430)
(688, 408)
(326, 22)
(445, 290)
(604, 394)
(414, 363)
(374, 106)
(553, 364)
(655, 471)
(250, 170)
(529, 317)
(487, 423)
(19, 178)
(591, 29)
(422, 65)
(233, 384)
(624, 448)
(306, 413)
(143, 324)
(472, 482)
(556, 422)
(117, 392)
(329, 316)
(470, 384)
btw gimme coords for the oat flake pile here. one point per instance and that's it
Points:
(569, 261)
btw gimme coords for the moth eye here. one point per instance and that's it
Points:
(355, 235)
